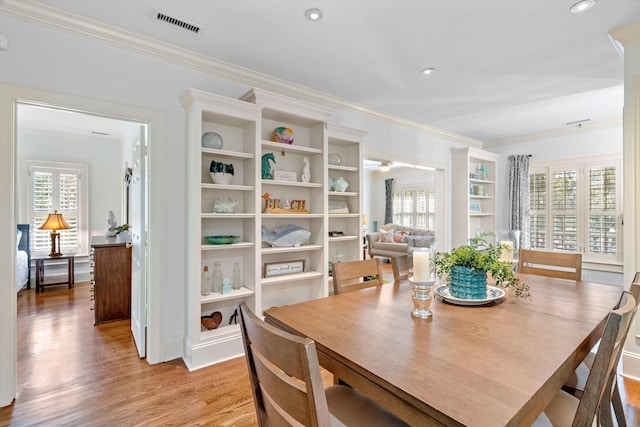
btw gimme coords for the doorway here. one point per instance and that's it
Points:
(10, 97)
(111, 152)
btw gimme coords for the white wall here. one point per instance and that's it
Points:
(103, 157)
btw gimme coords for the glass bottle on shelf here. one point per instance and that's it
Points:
(236, 284)
(217, 278)
(205, 283)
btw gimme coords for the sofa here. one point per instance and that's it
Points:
(393, 240)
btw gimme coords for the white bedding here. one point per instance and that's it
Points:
(21, 269)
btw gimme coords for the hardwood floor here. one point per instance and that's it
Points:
(71, 373)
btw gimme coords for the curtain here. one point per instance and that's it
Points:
(519, 197)
(388, 201)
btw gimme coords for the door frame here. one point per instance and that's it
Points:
(10, 95)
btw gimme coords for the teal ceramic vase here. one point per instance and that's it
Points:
(468, 283)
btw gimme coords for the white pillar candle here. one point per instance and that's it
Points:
(507, 251)
(421, 267)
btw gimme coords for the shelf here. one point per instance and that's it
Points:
(481, 181)
(239, 245)
(480, 214)
(343, 168)
(291, 183)
(291, 216)
(343, 194)
(227, 153)
(227, 187)
(289, 148)
(221, 333)
(234, 294)
(216, 215)
(473, 196)
(343, 238)
(285, 249)
(344, 215)
(291, 277)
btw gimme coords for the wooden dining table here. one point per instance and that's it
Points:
(498, 364)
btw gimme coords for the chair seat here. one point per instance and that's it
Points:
(560, 412)
(349, 407)
(578, 378)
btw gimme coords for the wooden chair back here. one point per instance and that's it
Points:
(350, 275)
(285, 375)
(597, 392)
(400, 268)
(559, 264)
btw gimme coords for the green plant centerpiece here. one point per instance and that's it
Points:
(466, 268)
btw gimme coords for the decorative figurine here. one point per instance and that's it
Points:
(224, 204)
(282, 134)
(306, 171)
(112, 224)
(266, 166)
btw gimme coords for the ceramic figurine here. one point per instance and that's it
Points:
(266, 166)
(339, 184)
(224, 204)
(306, 171)
(286, 236)
(282, 134)
(112, 224)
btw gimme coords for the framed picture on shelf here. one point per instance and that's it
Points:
(475, 207)
(281, 268)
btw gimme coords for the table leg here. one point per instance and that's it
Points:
(70, 272)
(39, 274)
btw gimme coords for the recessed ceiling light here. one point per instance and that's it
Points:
(313, 14)
(582, 5)
(385, 166)
(427, 71)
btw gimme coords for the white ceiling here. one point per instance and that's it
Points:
(504, 68)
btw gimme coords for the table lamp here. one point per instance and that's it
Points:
(55, 222)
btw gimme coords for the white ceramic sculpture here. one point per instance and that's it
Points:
(112, 224)
(224, 204)
(306, 170)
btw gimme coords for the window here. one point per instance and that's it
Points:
(414, 207)
(57, 186)
(576, 207)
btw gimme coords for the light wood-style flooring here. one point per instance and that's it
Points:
(71, 373)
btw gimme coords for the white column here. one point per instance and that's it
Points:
(629, 37)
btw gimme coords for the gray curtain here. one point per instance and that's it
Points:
(519, 197)
(388, 201)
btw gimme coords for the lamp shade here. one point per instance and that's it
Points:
(54, 221)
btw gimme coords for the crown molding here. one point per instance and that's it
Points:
(552, 133)
(628, 34)
(51, 17)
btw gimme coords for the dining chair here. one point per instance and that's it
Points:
(287, 385)
(550, 264)
(566, 409)
(350, 275)
(400, 268)
(576, 383)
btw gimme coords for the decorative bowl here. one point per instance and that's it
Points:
(282, 134)
(212, 140)
(221, 177)
(221, 239)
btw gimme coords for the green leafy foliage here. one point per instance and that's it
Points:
(482, 255)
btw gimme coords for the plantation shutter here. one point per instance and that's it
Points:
(602, 208)
(564, 209)
(538, 210)
(414, 207)
(54, 189)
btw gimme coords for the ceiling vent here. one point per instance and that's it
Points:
(174, 20)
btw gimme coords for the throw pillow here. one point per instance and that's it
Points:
(400, 237)
(385, 236)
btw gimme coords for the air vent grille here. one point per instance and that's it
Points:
(179, 22)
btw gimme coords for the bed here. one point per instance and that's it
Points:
(23, 257)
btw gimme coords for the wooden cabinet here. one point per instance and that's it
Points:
(474, 197)
(111, 283)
